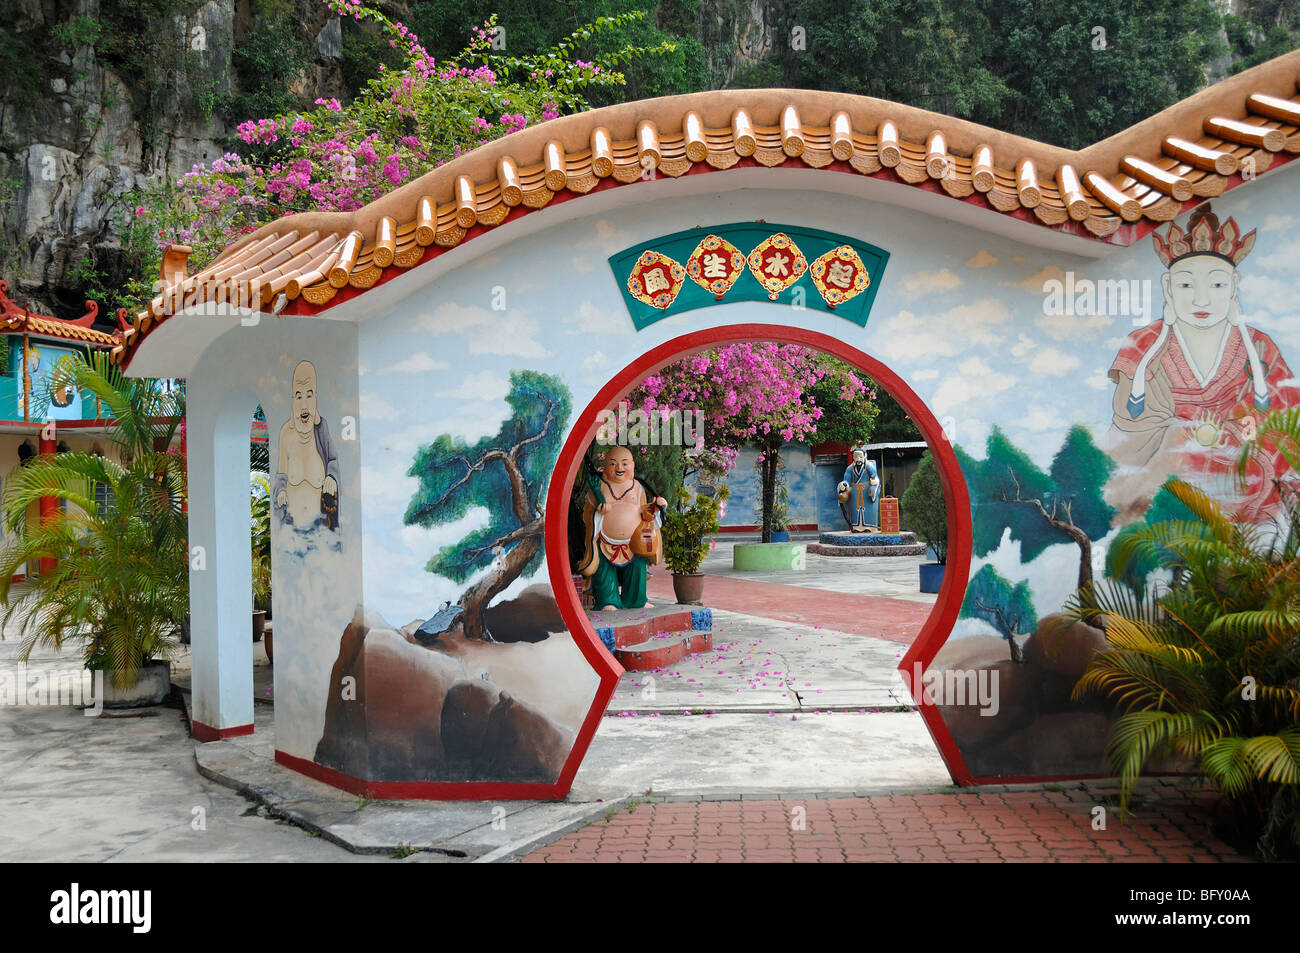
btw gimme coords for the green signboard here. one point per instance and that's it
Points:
(749, 261)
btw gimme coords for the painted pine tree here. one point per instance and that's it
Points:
(507, 475)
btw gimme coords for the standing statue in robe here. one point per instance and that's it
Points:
(621, 534)
(859, 494)
(1192, 387)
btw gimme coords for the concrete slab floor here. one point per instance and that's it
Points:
(127, 788)
(762, 665)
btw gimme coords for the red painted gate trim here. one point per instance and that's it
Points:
(947, 607)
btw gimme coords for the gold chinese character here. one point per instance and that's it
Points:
(777, 266)
(715, 266)
(840, 275)
(655, 281)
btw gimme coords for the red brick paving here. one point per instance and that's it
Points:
(898, 620)
(1169, 824)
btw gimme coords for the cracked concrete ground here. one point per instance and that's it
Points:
(778, 707)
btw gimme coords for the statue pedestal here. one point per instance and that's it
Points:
(846, 543)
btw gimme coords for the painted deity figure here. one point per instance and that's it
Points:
(621, 534)
(1192, 387)
(859, 491)
(306, 486)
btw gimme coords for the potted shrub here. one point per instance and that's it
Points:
(923, 508)
(685, 533)
(260, 493)
(117, 583)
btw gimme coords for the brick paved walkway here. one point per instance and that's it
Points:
(1171, 823)
(897, 620)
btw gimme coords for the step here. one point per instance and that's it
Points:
(617, 630)
(662, 650)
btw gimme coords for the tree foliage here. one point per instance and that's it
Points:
(506, 475)
(923, 509)
(1040, 509)
(1008, 608)
(1211, 670)
(119, 583)
(762, 394)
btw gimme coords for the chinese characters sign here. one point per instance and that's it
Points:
(800, 267)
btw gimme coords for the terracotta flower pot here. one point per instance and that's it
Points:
(259, 624)
(688, 588)
(267, 644)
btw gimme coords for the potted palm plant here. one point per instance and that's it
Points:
(925, 513)
(260, 500)
(1206, 666)
(116, 558)
(685, 533)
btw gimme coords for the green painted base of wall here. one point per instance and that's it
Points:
(768, 557)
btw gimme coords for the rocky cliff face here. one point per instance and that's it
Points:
(90, 130)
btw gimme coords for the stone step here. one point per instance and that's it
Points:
(616, 630)
(666, 648)
(846, 538)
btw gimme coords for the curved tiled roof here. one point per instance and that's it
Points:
(18, 320)
(1145, 175)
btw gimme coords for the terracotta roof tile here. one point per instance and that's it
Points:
(1147, 173)
(15, 319)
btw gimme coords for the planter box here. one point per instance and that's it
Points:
(769, 557)
(152, 687)
(931, 576)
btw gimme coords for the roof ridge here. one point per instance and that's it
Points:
(1144, 175)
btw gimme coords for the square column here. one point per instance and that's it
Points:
(220, 565)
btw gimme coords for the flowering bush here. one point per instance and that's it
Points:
(763, 394)
(337, 157)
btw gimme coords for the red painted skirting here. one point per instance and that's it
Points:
(202, 732)
(424, 790)
(755, 528)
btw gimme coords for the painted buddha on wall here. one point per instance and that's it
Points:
(1192, 387)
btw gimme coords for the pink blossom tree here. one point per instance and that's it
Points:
(341, 156)
(765, 395)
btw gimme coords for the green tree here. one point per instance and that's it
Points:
(1070, 72)
(923, 508)
(507, 475)
(1008, 608)
(892, 425)
(119, 580)
(848, 415)
(1065, 504)
(1134, 566)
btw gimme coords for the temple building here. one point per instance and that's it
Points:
(432, 367)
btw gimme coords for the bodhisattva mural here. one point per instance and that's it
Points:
(621, 538)
(1191, 388)
(306, 486)
(474, 692)
(1190, 391)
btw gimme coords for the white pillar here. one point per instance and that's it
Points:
(221, 592)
